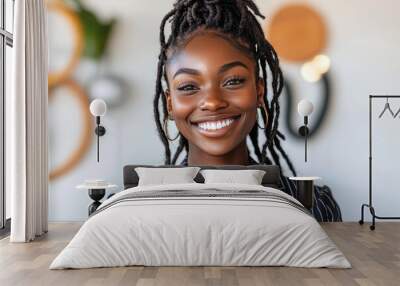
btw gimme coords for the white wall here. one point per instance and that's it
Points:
(363, 45)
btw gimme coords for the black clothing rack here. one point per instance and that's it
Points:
(369, 205)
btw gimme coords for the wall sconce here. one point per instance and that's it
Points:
(98, 108)
(305, 108)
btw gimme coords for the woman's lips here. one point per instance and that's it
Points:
(216, 128)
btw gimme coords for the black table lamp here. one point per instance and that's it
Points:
(98, 108)
(305, 108)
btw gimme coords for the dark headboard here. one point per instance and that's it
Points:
(271, 177)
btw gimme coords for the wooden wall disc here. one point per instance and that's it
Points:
(86, 133)
(297, 32)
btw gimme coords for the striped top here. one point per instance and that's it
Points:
(325, 207)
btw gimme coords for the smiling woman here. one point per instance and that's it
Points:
(215, 65)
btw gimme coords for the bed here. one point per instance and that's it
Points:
(198, 224)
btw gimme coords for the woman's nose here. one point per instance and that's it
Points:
(213, 100)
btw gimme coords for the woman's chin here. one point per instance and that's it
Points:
(215, 152)
(216, 143)
(217, 148)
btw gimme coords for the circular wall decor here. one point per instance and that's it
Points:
(56, 6)
(86, 133)
(297, 32)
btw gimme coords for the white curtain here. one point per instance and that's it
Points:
(26, 123)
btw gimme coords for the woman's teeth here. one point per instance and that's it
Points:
(215, 125)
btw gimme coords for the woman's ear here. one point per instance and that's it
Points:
(260, 92)
(169, 102)
(260, 99)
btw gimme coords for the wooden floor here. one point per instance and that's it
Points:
(374, 255)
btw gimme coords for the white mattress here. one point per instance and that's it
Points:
(202, 231)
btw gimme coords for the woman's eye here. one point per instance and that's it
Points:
(234, 81)
(187, 87)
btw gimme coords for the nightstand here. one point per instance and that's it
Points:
(305, 190)
(96, 190)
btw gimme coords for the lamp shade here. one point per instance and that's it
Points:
(305, 107)
(98, 107)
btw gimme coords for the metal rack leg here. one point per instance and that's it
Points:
(372, 210)
(361, 221)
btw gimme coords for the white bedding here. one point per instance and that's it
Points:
(190, 230)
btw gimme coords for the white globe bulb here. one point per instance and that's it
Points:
(322, 63)
(305, 107)
(310, 72)
(98, 107)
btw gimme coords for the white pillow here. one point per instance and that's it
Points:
(163, 176)
(248, 177)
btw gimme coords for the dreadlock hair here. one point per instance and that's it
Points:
(237, 20)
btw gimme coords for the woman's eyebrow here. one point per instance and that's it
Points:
(228, 66)
(186, 70)
(222, 69)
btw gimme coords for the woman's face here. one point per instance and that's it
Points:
(213, 93)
